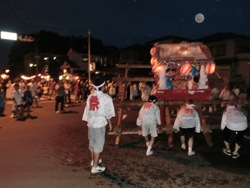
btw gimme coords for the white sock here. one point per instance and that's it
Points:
(149, 148)
(189, 149)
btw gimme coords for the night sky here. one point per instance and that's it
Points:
(123, 22)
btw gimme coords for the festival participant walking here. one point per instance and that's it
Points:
(27, 101)
(9, 90)
(60, 92)
(226, 95)
(33, 87)
(51, 86)
(233, 125)
(67, 99)
(98, 113)
(187, 122)
(148, 119)
(2, 101)
(17, 99)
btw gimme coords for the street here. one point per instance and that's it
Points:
(51, 151)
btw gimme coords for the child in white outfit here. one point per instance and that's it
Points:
(149, 118)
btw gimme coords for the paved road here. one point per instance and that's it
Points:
(51, 151)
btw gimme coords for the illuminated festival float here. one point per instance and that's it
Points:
(181, 73)
(181, 70)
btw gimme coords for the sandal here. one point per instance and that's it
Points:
(235, 156)
(227, 151)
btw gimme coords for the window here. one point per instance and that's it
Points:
(219, 50)
(244, 49)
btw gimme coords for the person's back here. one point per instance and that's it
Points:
(148, 119)
(32, 86)
(225, 93)
(99, 107)
(233, 125)
(2, 101)
(98, 112)
(188, 118)
(187, 122)
(148, 113)
(60, 90)
(234, 119)
(27, 96)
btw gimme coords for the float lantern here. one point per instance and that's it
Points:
(210, 68)
(153, 61)
(153, 51)
(185, 69)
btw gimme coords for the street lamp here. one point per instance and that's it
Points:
(89, 57)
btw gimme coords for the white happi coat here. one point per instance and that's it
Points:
(99, 108)
(150, 113)
(233, 119)
(187, 117)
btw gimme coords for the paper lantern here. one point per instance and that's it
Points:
(156, 66)
(185, 69)
(153, 61)
(210, 68)
(153, 51)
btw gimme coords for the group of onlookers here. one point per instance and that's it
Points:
(61, 91)
(23, 95)
(140, 90)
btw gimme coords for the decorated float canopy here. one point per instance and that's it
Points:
(187, 59)
(191, 52)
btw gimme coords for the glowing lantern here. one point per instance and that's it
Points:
(153, 61)
(159, 68)
(154, 67)
(210, 68)
(153, 51)
(185, 69)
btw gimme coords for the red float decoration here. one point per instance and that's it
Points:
(210, 68)
(185, 69)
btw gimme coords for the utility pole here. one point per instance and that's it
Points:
(89, 57)
(37, 56)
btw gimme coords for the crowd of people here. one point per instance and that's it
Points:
(99, 97)
(80, 89)
(26, 94)
(187, 122)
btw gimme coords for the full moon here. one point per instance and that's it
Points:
(199, 18)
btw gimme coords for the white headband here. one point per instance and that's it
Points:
(97, 87)
(153, 100)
